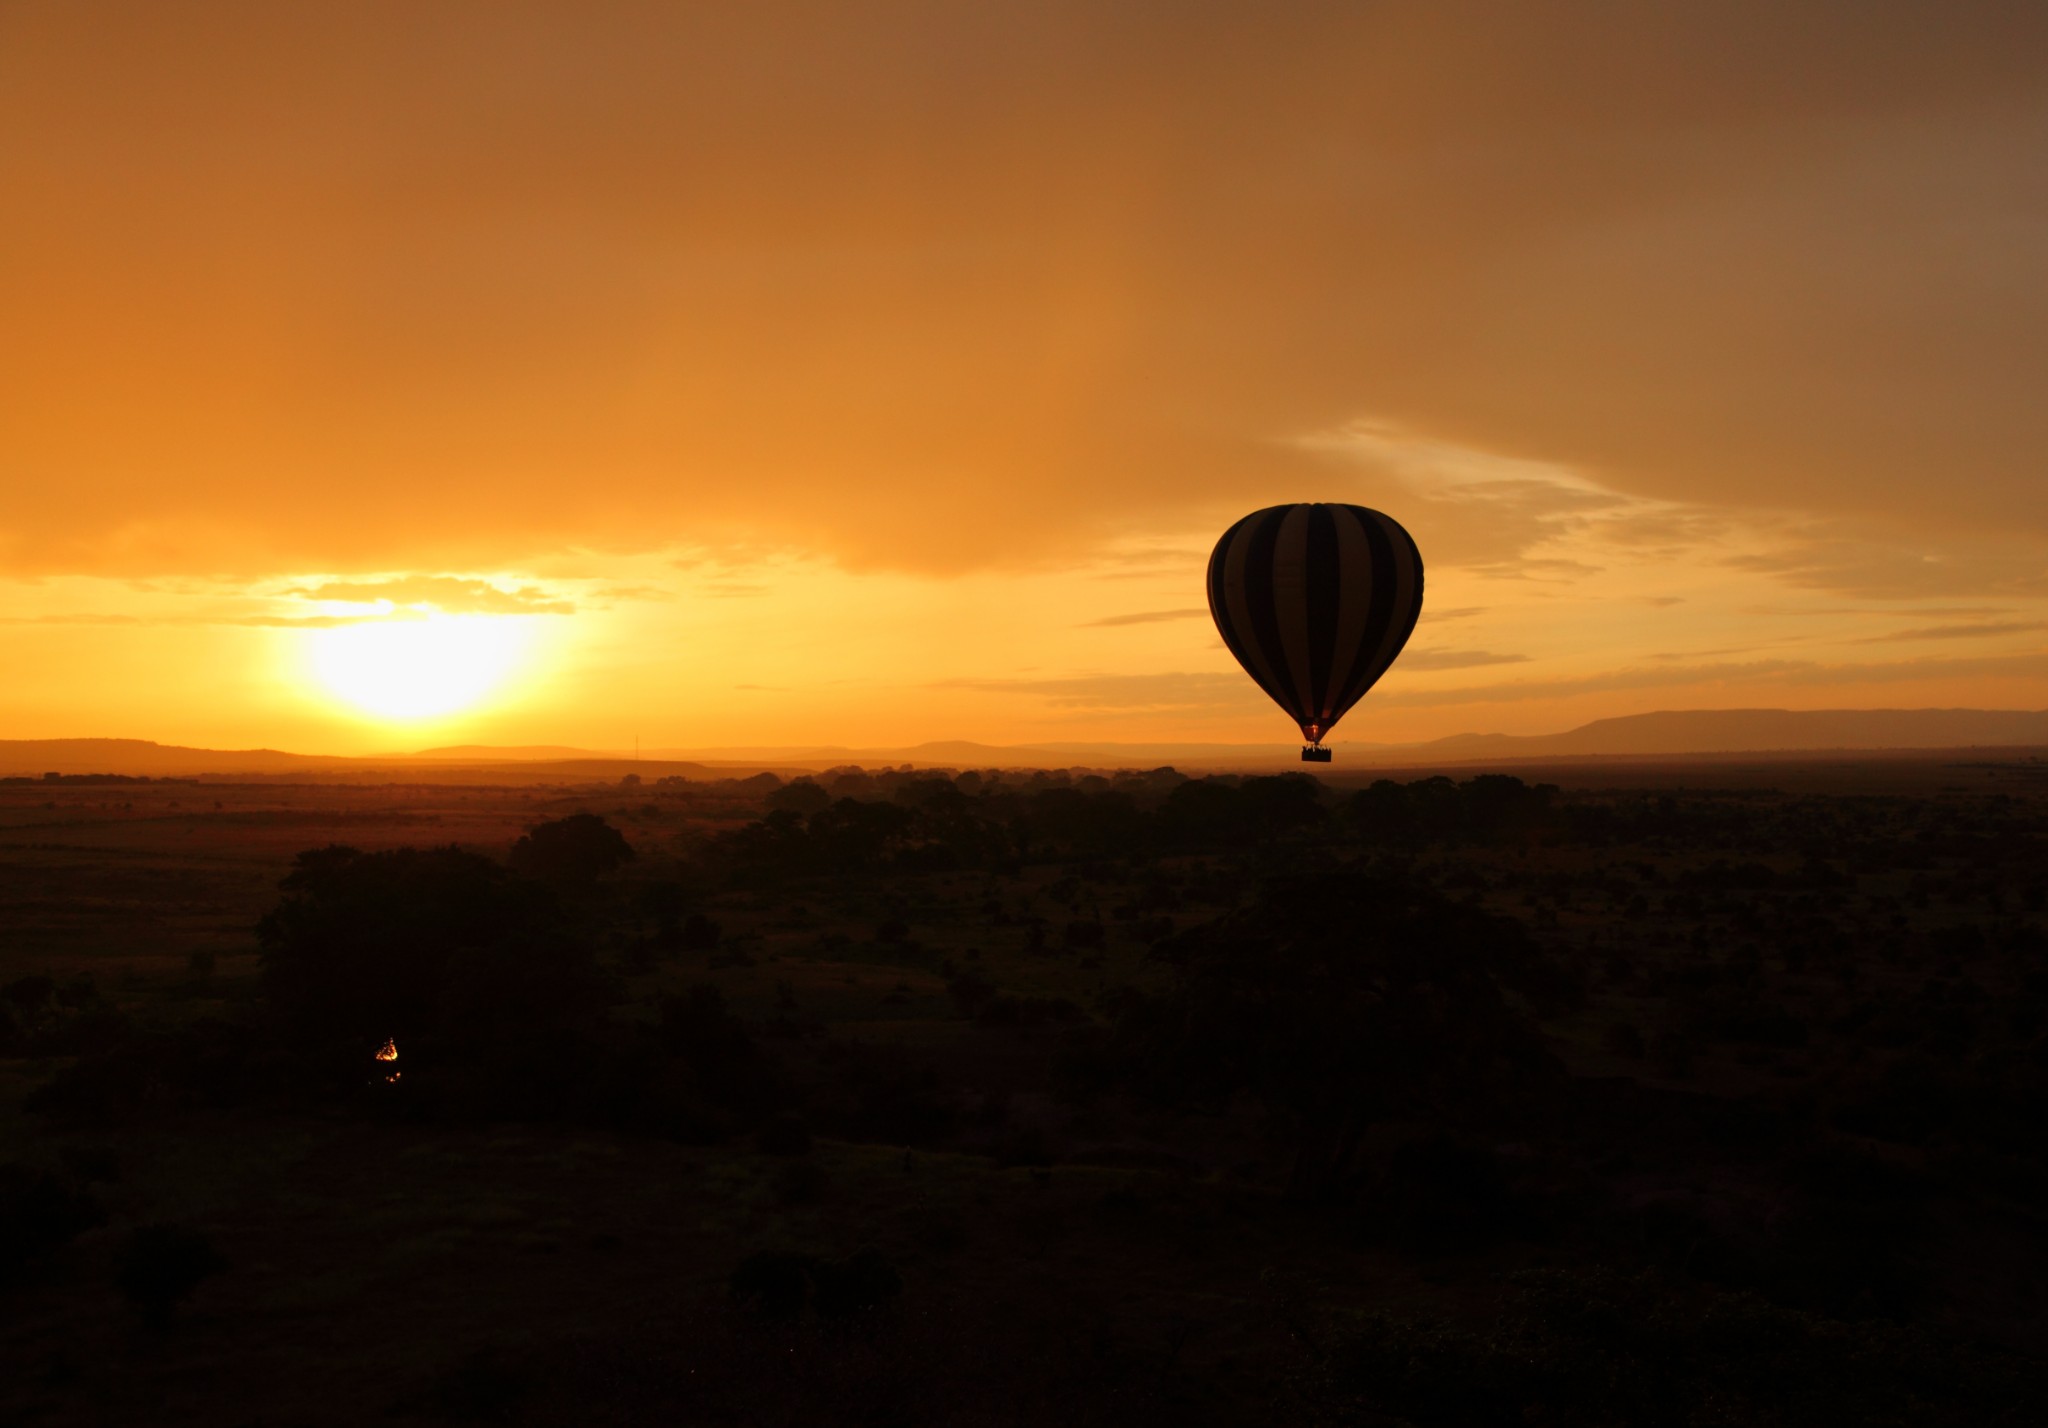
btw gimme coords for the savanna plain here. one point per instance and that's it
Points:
(1602, 1094)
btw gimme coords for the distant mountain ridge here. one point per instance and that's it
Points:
(503, 753)
(1665, 733)
(1749, 731)
(1670, 733)
(147, 757)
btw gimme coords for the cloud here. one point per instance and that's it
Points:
(1789, 673)
(1929, 612)
(1546, 522)
(1455, 659)
(1975, 631)
(1144, 561)
(1675, 655)
(1220, 692)
(1526, 689)
(1877, 561)
(1553, 570)
(1144, 617)
(450, 594)
(1476, 508)
(289, 622)
(308, 622)
(1085, 277)
(1177, 690)
(390, 598)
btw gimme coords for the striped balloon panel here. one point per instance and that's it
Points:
(1315, 601)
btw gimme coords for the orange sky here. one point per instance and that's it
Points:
(866, 374)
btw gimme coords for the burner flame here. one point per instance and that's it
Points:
(388, 1051)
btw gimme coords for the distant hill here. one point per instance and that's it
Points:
(1750, 731)
(1672, 733)
(153, 760)
(143, 757)
(964, 754)
(505, 754)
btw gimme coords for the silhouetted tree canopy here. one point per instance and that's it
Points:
(39, 1214)
(158, 1266)
(1344, 1000)
(906, 822)
(1489, 808)
(802, 797)
(570, 851)
(436, 943)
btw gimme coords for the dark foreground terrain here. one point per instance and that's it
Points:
(1705, 1096)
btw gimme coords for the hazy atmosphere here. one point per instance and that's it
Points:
(388, 375)
(989, 715)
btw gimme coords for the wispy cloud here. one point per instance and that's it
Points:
(451, 594)
(1175, 690)
(1550, 523)
(1143, 617)
(1886, 564)
(287, 622)
(1553, 570)
(1675, 656)
(1128, 562)
(1494, 514)
(75, 619)
(1975, 631)
(1456, 659)
(1512, 691)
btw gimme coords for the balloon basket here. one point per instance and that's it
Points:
(1314, 754)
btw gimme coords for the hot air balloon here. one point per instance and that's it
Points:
(1315, 601)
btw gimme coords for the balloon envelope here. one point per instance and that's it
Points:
(1315, 601)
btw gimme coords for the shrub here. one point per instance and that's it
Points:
(39, 1215)
(779, 1284)
(1340, 1000)
(785, 1134)
(160, 1265)
(718, 1048)
(95, 1091)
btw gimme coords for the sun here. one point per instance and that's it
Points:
(419, 667)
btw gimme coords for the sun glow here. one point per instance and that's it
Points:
(418, 668)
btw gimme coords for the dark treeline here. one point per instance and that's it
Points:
(857, 823)
(1725, 1104)
(93, 780)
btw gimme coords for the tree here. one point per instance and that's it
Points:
(160, 1265)
(571, 852)
(801, 796)
(431, 943)
(1342, 1000)
(39, 1214)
